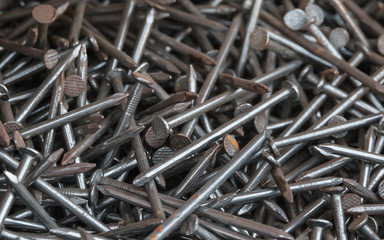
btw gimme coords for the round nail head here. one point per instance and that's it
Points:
(153, 140)
(295, 19)
(339, 37)
(261, 123)
(44, 13)
(242, 108)
(259, 39)
(230, 144)
(160, 127)
(179, 141)
(74, 85)
(336, 120)
(162, 154)
(51, 58)
(315, 14)
(350, 200)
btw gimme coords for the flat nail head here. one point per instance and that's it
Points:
(358, 223)
(18, 140)
(380, 189)
(295, 19)
(304, 73)
(117, 73)
(162, 154)
(51, 58)
(13, 126)
(44, 13)
(179, 141)
(153, 140)
(230, 144)
(160, 127)
(294, 91)
(350, 200)
(336, 120)
(315, 14)
(242, 108)
(74, 85)
(322, 223)
(339, 37)
(259, 39)
(31, 152)
(261, 123)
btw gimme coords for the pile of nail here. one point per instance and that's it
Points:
(211, 119)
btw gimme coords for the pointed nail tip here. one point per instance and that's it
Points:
(138, 181)
(267, 133)
(102, 189)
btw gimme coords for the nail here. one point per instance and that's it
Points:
(362, 77)
(318, 225)
(30, 201)
(369, 22)
(278, 176)
(337, 208)
(50, 57)
(113, 142)
(190, 18)
(359, 225)
(204, 212)
(250, 27)
(29, 154)
(44, 14)
(87, 141)
(195, 172)
(129, 110)
(142, 162)
(363, 192)
(75, 168)
(43, 166)
(182, 213)
(73, 234)
(231, 125)
(351, 152)
(308, 211)
(343, 11)
(191, 227)
(72, 115)
(45, 85)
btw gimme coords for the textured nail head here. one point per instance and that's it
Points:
(295, 19)
(44, 13)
